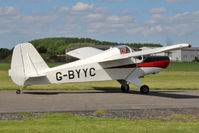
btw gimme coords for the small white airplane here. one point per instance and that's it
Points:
(119, 63)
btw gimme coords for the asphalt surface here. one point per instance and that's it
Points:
(61, 101)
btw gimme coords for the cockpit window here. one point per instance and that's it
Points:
(124, 50)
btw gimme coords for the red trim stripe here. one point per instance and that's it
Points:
(162, 64)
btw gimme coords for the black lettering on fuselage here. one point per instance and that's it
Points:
(92, 71)
(59, 76)
(71, 74)
(85, 71)
(78, 73)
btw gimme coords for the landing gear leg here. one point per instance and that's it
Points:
(144, 89)
(125, 88)
(20, 90)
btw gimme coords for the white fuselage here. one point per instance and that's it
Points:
(89, 69)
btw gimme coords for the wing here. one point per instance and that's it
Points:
(159, 50)
(147, 52)
(82, 53)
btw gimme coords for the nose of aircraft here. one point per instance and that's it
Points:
(156, 61)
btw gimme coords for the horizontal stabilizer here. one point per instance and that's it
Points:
(82, 53)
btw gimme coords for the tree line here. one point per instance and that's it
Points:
(49, 48)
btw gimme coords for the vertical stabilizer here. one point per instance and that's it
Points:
(26, 62)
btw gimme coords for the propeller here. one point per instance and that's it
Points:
(169, 41)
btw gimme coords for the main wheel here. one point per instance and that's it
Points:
(125, 88)
(18, 91)
(144, 89)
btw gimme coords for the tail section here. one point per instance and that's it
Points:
(26, 63)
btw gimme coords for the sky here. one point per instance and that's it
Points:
(141, 21)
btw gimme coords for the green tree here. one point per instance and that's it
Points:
(196, 59)
(41, 49)
(4, 52)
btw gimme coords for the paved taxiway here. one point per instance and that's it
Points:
(53, 101)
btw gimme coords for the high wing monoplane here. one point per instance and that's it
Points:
(119, 63)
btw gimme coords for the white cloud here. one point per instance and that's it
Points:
(182, 24)
(9, 10)
(4, 31)
(183, 29)
(117, 19)
(158, 10)
(66, 29)
(34, 24)
(185, 17)
(127, 19)
(144, 30)
(115, 0)
(110, 25)
(114, 19)
(62, 9)
(39, 19)
(178, 1)
(103, 27)
(81, 8)
(37, 0)
(94, 17)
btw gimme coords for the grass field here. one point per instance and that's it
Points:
(176, 76)
(67, 123)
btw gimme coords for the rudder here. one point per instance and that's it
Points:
(26, 62)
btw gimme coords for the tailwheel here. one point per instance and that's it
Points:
(21, 89)
(18, 91)
(125, 88)
(144, 89)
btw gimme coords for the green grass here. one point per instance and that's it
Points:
(183, 66)
(177, 76)
(100, 112)
(4, 66)
(67, 123)
(173, 80)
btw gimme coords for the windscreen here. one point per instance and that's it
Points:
(124, 49)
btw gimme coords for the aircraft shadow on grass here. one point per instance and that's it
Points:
(166, 93)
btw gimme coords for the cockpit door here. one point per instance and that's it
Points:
(138, 59)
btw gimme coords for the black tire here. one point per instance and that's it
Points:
(144, 89)
(18, 91)
(125, 88)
